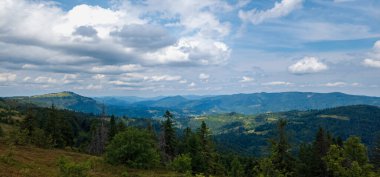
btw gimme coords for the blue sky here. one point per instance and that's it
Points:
(165, 47)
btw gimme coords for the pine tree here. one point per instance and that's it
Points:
(281, 158)
(376, 154)
(28, 123)
(237, 169)
(113, 128)
(168, 138)
(321, 145)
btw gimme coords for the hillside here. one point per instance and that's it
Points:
(184, 106)
(267, 102)
(249, 134)
(35, 162)
(63, 100)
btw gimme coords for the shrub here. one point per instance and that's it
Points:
(182, 163)
(1, 132)
(133, 147)
(8, 157)
(40, 139)
(68, 168)
(18, 137)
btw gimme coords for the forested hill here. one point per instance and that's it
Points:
(62, 100)
(183, 106)
(250, 134)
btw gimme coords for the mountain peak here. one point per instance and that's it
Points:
(58, 94)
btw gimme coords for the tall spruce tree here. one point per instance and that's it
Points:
(168, 138)
(113, 128)
(281, 157)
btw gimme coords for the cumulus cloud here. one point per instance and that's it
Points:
(7, 77)
(86, 31)
(123, 35)
(280, 9)
(371, 63)
(145, 36)
(374, 61)
(307, 65)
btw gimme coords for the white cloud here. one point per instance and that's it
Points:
(45, 80)
(7, 77)
(246, 79)
(335, 84)
(280, 9)
(89, 87)
(165, 78)
(112, 69)
(374, 61)
(307, 65)
(99, 76)
(192, 84)
(183, 81)
(371, 63)
(204, 77)
(126, 34)
(277, 83)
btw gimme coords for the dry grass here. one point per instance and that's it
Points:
(35, 162)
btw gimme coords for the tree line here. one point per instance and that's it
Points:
(192, 150)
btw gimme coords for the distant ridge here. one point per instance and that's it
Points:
(253, 103)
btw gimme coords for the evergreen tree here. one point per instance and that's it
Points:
(237, 169)
(350, 160)
(113, 128)
(168, 139)
(207, 155)
(121, 126)
(281, 158)
(376, 154)
(321, 145)
(28, 123)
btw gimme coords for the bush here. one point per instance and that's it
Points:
(1, 132)
(68, 168)
(182, 163)
(18, 137)
(133, 147)
(40, 139)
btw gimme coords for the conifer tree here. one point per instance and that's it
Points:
(113, 128)
(168, 138)
(237, 169)
(281, 157)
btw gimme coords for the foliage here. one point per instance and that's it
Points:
(1, 131)
(18, 137)
(350, 160)
(236, 168)
(169, 139)
(40, 139)
(133, 147)
(181, 163)
(68, 168)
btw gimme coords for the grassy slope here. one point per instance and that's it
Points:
(36, 162)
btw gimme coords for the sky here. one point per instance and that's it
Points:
(189, 47)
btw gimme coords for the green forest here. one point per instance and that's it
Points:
(152, 144)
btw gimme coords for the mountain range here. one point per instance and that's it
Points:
(183, 106)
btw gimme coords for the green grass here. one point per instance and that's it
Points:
(35, 162)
